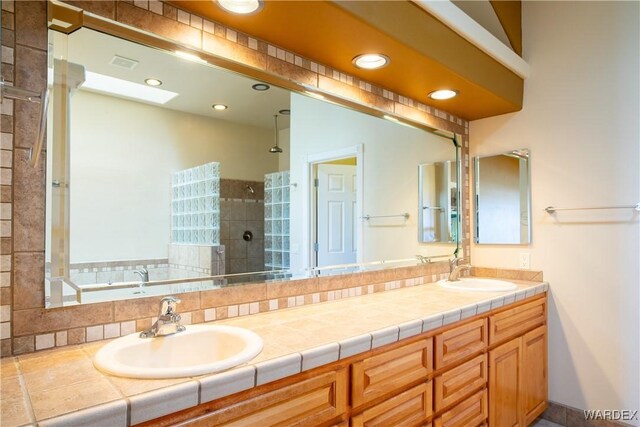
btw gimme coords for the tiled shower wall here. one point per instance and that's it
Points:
(26, 325)
(240, 211)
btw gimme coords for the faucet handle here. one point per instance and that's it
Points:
(167, 305)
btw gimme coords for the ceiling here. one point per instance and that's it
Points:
(206, 85)
(425, 54)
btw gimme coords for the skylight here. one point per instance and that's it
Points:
(126, 89)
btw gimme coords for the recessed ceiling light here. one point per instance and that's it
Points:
(261, 86)
(443, 94)
(153, 82)
(219, 107)
(285, 112)
(371, 61)
(241, 7)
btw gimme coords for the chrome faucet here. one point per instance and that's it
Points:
(455, 269)
(168, 322)
(144, 277)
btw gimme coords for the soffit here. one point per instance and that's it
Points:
(425, 54)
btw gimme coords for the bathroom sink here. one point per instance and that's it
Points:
(200, 349)
(477, 284)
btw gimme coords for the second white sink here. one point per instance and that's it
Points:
(200, 349)
(478, 284)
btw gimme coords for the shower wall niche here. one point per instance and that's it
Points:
(276, 221)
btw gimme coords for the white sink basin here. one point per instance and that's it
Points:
(200, 349)
(477, 284)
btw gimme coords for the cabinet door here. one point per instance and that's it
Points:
(313, 401)
(505, 379)
(388, 372)
(410, 408)
(534, 373)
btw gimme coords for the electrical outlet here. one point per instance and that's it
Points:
(525, 261)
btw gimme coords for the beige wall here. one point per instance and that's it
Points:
(391, 155)
(580, 120)
(122, 156)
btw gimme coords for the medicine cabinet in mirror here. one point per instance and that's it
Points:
(167, 174)
(503, 198)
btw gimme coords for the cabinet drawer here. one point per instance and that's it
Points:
(516, 321)
(410, 408)
(460, 342)
(390, 371)
(309, 402)
(468, 413)
(455, 384)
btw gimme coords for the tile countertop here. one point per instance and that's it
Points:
(61, 387)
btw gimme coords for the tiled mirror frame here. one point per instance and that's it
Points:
(25, 325)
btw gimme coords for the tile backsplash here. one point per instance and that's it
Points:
(25, 325)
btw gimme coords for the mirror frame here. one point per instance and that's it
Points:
(66, 19)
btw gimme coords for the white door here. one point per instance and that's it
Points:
(336, 208)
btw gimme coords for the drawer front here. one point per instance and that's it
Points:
(310, 402)
(390, 371)
(460, 342)
(470, 412)
(516, 321)
(460, 381)
(410, 408)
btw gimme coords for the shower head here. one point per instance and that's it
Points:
(250, 189)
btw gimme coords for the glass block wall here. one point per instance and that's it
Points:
(195, 205)
(276, 220)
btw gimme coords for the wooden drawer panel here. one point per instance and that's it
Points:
(410, 408)
(516, 321)
(455, 384)
(309, 402)
(392, 370)
(460, 342)
(470, 412)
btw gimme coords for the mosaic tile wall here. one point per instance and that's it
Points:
(25, 325)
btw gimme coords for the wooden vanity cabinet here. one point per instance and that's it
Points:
(518, 368)
(489, 369)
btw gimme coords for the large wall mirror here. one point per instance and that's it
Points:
(167, 174)
(503, 198)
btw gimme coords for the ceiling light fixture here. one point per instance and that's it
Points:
(276, 148)
(241, 7)
(261, 87)
(219, 107)
(153, 82)
(443, 94)
(371, 61)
